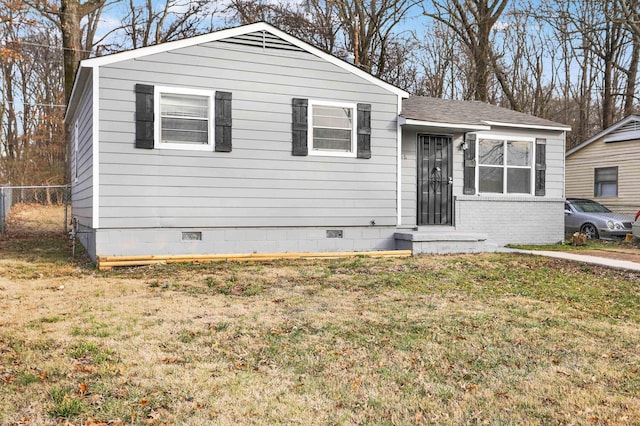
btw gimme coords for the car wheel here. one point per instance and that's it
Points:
(590, 231)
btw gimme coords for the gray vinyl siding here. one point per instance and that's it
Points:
(259, 183)
(81, 191)
(409, 178)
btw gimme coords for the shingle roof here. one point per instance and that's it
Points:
(467, 113)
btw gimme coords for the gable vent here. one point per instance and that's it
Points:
(262, 39)
(629, 131)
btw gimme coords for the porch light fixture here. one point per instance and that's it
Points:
(463, 146)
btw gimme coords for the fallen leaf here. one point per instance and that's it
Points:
(83, 368)
(82, 388)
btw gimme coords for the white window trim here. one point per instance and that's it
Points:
(354, 129)
(157, 143)
(505, 138)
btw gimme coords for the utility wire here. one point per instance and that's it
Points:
(36, 104)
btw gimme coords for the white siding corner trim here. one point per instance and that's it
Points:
(399, 163)
(95, 144)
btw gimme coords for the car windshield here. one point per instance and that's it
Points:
(590, 207)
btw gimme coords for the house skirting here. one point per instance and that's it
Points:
(235, 241)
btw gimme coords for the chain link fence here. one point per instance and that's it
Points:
(34, 210)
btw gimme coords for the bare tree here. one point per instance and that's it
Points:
(153, 23)
(369, 29)
(631, 20)
(313, 21)
(362, 29)
(472, 22)
(442, 62)
(32, 98)
(67, 15)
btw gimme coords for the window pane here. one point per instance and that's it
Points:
(184, 118)
(332, 128)
(332, 139)
(491, 152)
(184, 106)
(606, 189)
(518, 154)
(491, 179)
(607, 174)
(176, 130)
(606, 182)
(518, 181)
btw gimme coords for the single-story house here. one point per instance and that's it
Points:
(248, 140)
(606, 167)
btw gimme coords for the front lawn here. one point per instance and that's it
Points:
(470, 339)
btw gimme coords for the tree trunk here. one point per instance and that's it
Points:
(71, 36)
(631, 77)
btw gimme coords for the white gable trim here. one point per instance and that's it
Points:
(605, 132)
(233, 32)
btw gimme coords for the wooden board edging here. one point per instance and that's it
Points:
(105, 263)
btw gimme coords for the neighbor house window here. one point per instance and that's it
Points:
(606, 182)
(505, 166)
(185, 118)
(332, 129)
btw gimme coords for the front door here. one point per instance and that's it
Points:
(434, 180)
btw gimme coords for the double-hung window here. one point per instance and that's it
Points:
(505, 166)
(185, 119)
(605, 182)
(333, 129)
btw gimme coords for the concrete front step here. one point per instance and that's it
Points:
(441, 241)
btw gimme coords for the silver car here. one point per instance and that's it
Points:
(594, 220)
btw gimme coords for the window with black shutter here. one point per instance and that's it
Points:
(469, 164)
(183, 118)
(144, 116)
(331, 128)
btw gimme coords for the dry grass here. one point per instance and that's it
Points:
(35, 220)
(495, 339)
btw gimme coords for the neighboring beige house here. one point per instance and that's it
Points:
(606, 167)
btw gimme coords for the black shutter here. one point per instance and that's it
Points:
(144, 116)
(364, 131)
(299, 127)
(223, 122)
(541, 166)
(470, 164)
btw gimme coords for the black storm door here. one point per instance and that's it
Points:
(434, 180)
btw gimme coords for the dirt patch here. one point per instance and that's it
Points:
(630, 255)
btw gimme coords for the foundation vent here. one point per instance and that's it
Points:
(192, 236)
(334, 233)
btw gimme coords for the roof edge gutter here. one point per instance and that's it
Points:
(457, 126)
(528, 126)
